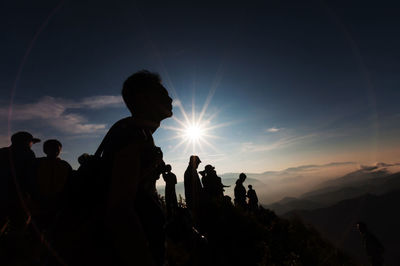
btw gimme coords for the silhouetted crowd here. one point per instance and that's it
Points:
(108, 212)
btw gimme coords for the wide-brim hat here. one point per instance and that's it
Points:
(209, 167)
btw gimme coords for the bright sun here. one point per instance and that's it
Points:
(193, 132)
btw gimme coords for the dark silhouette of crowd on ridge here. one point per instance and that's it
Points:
(108, 212)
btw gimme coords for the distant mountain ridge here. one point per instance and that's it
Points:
(349, 186)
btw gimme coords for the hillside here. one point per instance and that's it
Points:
(237, 237)
(337, 223)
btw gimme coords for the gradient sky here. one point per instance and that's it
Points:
(284, 84)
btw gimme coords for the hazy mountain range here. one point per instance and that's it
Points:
(374, 181)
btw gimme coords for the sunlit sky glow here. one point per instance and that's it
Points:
(256, 87)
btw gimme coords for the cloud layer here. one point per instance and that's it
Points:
(56, 112)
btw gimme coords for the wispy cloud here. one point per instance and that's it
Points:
(273, 129)
(98, 102)
(54, 112)
(283, 142)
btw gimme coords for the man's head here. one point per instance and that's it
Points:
(168, 168)
(250, 186)
(23, 139)
(242, 177)
(146, 97)
(194, 161)
(52, 148)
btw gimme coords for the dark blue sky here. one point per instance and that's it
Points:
(293, 83)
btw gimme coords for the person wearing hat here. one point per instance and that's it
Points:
(253, 199)
(16, 186)
(193, 188)
(212, 183)
(16, 163)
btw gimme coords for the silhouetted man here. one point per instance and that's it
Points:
(134, 219)
(253, 199)
(372, 245)
(16, 167)
(16, 186)
(193, 188)
(170, 193)
(240, 192)
(52, 174)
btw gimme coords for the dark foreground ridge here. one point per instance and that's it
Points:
(234, 236)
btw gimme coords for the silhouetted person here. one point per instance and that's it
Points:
(240, 192)
(16, 186)
(372, 245)
(212, 183)
(52, 174)
(253, 199)
(193, 188)
(170, 194)
(134, 213)
(130, 223)
(16, 169)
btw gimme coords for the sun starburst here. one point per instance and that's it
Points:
(197, 130)
(194, 130)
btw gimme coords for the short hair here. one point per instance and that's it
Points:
(49, 145)
(242, 176)
(137, 83)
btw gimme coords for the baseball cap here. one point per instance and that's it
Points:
(23, 137)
